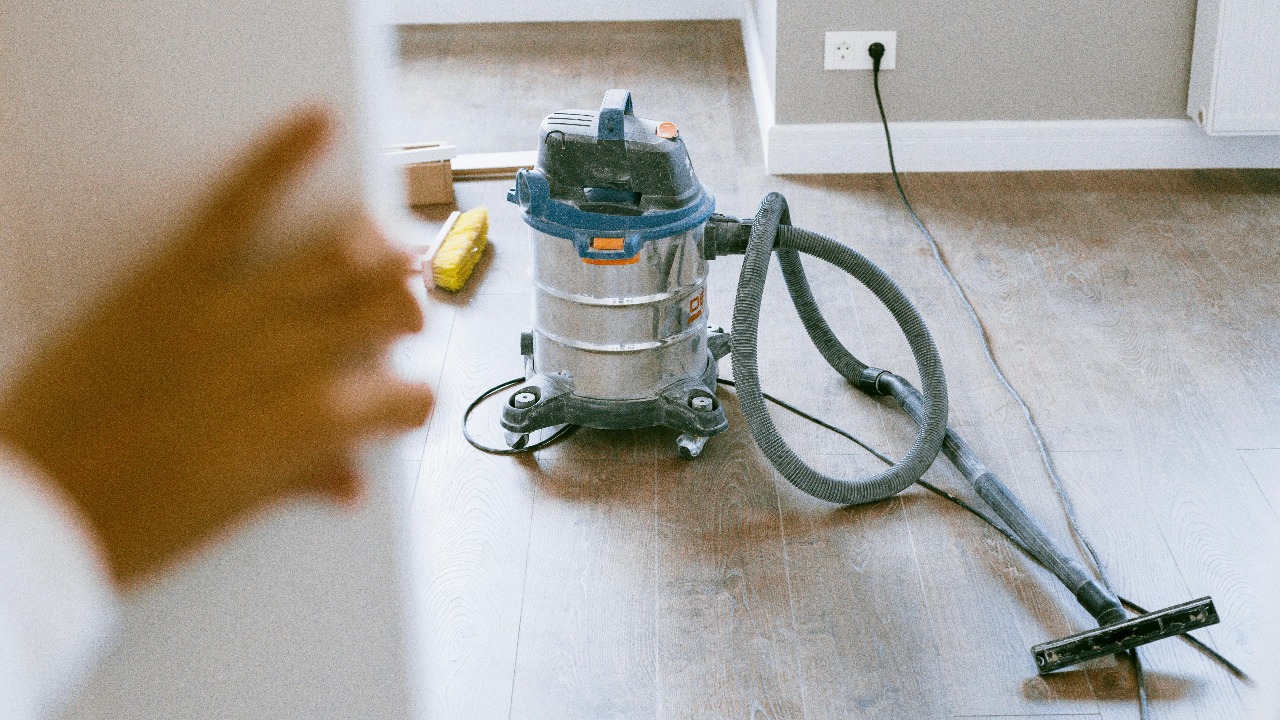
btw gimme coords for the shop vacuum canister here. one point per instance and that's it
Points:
(620, 338)
(621, 231)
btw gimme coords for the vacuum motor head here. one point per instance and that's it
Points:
(610, 174)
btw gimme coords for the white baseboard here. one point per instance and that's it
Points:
(449, 12)
(1011, 145)
(758, 75)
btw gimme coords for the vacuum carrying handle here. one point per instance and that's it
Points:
(613, 109)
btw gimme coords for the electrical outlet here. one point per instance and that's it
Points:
(847, 50)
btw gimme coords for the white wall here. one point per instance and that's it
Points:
(761, 17)
(760, 43)
(111, 115)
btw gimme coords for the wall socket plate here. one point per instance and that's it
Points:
(847, 49)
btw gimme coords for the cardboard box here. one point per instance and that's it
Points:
(428, 172)
(429, 183)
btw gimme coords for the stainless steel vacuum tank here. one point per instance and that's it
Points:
(620, 336)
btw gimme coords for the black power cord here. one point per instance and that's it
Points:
(876, 51)
(563, 432)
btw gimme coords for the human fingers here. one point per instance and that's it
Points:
(338, 479)
(369, 327)
(377, 402)
(333, 333)
(342, 290)
(348, 261)
(259, 177)
(284, 349)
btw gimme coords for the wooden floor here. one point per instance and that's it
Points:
(1137, 312)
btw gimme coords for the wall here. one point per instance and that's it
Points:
(111, 116)
(760, 19)
(992, 60)
(985, 85)
(980, 85)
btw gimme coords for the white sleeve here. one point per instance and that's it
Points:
(58, 608)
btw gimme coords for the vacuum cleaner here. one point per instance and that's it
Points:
(622, 232)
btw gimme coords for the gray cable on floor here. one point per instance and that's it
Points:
(1050, 468)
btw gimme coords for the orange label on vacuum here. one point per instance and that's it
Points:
(608, 243)
(696, 305)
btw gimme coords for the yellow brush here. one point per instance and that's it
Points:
(461, 249)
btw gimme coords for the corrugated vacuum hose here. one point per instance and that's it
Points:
(772, 233)
(771, 226)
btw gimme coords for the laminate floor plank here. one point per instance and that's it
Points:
(1264, 465)
(1028, 717)
(726, 640)
(853, 571)
(859, 605)
(1234, 325)
(471, 514)
(1144, 567)
(1148, 430)
(1061, 410)
(1205, 502)
(588, 620)
(421, 357)
(951, 553)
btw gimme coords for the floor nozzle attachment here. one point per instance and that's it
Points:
(1125, 635)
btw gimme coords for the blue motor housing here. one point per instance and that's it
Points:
(608, 173)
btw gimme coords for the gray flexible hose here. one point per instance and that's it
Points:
(746, 321)
(1094, 596)
(927, 409)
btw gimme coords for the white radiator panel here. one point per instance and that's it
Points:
(1235, 67)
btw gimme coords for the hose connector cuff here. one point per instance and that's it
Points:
(725, 235)
(869, 381)
(1101, 604)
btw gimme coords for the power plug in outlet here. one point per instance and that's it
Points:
(847, 50)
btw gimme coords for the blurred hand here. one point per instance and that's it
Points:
(199, 391)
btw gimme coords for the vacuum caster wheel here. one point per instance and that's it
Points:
(690, 445)
(517, 441)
